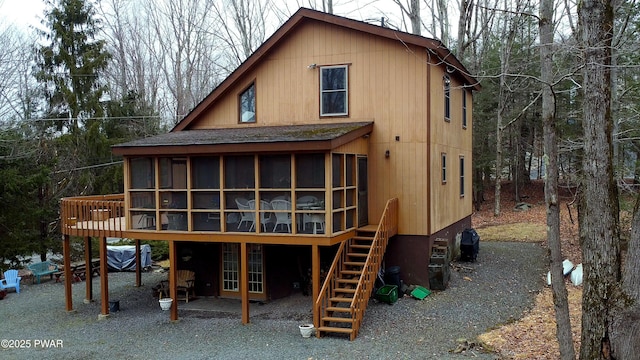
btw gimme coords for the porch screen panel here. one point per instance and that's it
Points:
(239, 187)
(239, 172)
(205, 193)
(205, 172)
(142, 173)
(310, 171)
(337, 170)
(275, 171)
(142, 193)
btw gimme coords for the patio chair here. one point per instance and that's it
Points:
(184, 285)
(304, 202)
(282, 218)
(11, 280)
(246, 215)
(265, 217)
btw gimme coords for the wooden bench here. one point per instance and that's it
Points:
(41, 269)
(79, 271)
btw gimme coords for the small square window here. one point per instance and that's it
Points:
(248, 104)
(334, 97)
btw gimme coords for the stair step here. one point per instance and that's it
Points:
(363, 238)
(352, 272)
(338, 309)
(352, 254)
(337, 319)
(369, 228)
(341, 299)
(347, 281)
(345, 290)
(335, 329)
(354, 263)
(359, 246)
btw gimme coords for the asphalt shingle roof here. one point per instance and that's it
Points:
(248, 135)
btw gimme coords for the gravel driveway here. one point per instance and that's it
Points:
(482, 295)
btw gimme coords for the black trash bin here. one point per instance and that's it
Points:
(469, 245)
(114, 305)
(392, 277)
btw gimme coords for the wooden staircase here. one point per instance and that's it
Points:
(345, 293)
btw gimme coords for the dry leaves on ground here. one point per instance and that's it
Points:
(533, 336)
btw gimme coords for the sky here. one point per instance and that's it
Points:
(21, 12)
(25, 13)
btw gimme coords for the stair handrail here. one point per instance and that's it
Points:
(329, 284)
(387, 228)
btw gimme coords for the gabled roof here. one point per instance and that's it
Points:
(312, 137)
(434, 46)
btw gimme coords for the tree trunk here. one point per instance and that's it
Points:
(563, 321)
(599, 206)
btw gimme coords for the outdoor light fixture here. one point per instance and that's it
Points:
(312, 66)
(387, 154)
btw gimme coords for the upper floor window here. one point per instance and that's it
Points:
(461, 176)
(447, 98)
(464, 108)
(444, 167)
(334, 99)
(248, 104)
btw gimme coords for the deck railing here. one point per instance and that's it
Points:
(97, 215)
(387, 228)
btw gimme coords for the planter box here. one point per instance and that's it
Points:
(388, 294)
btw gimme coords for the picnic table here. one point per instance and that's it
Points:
(79, 270)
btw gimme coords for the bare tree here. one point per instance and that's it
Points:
(510, 23)
(563, 321)
(599, 232)
(474, 22)
(15, 71)
(242, 27)
(184, 49)
(411, 9)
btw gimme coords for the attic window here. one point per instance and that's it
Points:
(334, 90)
(248, 104)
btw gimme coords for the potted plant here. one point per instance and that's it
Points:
(165, 304)
(306, 330)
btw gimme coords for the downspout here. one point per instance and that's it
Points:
(428, 120)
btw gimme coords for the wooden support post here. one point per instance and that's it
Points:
(244, 282)
(104, 278)
(315, 282)
(66, 250)
(173, 280)
(138, 264)
(88, 271)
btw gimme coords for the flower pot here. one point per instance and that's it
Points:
(306, 330)
(165, 304)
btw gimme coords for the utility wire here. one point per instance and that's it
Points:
(89, 167)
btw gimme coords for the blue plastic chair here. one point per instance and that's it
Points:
(11, 280)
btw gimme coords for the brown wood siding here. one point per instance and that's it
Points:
(449, 137)
(387, 84)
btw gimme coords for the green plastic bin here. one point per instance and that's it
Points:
(388, 294)
(420, 292)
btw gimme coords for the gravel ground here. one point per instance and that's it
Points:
(493, 291)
